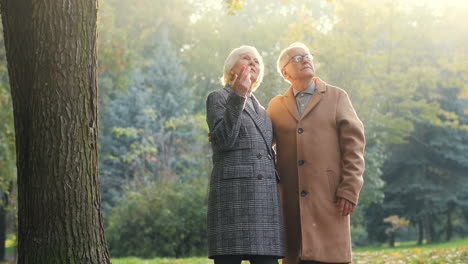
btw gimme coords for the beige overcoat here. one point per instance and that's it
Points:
(320, 157)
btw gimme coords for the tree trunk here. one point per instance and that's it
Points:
(420, 232)
(391, 242)
(52, 60)
(449, 233)
(428, 229)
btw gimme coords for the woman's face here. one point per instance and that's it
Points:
(247, 59)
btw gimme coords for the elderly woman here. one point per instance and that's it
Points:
(244, 215)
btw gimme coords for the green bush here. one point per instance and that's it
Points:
(161, 219)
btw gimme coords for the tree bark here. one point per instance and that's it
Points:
(428, 228)
(420, 232)
(449, 229)
(52, 61)
(391, 241)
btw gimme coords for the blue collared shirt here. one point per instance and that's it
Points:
(303, 98)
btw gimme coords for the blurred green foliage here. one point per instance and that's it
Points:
(160, 219)
(7, 153)
(398, 61)
(7, 130)
(403, 63)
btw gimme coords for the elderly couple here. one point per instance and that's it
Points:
(318, 168)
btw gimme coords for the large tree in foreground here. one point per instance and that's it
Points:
(51, 54)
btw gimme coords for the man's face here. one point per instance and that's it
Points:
(303, 70)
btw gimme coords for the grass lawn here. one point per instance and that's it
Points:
(202, 260)
(412, 245)
(454, 252)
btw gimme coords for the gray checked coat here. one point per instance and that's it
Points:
(244, 213)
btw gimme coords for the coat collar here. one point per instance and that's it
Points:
(228, 88)
(290, 99)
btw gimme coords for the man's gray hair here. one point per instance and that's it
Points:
(283, 58)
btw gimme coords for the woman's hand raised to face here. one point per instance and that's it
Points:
(242, 83)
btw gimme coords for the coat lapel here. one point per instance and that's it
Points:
(320, 90)
(259, 119)
(290, 103)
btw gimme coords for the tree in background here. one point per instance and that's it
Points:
(154, 162)
(426, 176)
(149, 130)
(7, 150)
(128, 32)
(7, 162)
(395, 224)
(384, 53)
(388, 61)
(52, 63)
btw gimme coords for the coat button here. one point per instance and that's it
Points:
(259, 155)
(300, 130)
(304, 193)
(269, 157)
(301, 162)
(259, 176)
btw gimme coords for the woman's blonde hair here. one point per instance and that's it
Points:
(231, 60)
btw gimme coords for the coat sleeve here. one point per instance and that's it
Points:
(269, 112)
(352, 143)
(224, 118)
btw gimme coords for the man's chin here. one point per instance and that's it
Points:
(309, 74)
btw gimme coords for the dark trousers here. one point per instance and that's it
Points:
(235, 259)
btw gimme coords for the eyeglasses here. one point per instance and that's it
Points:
(300, 58)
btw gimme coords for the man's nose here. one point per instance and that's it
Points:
(308, 62)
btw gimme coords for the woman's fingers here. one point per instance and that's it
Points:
(243, 74)
(246, 78)
(234, 80)
(241, 83)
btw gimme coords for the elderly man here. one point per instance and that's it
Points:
(320, 147)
